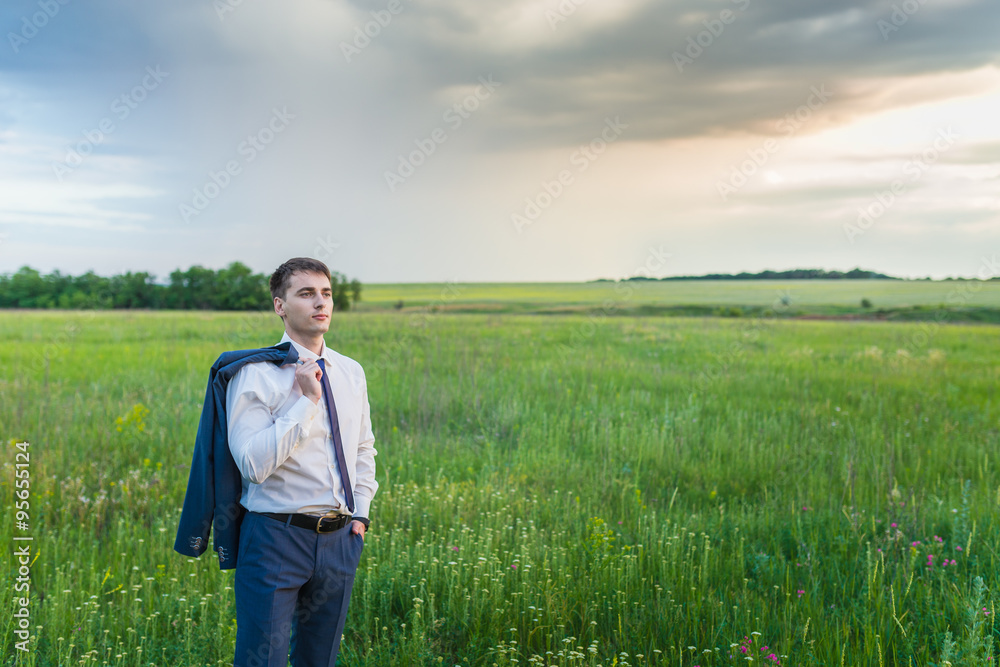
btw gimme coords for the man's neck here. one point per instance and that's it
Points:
(314, 345)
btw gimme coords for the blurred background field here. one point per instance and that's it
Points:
(573, 490)
(887, 299)
(692, 292)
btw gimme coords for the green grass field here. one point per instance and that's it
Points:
(572, 490)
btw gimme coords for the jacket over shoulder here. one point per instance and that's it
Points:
(215, 485)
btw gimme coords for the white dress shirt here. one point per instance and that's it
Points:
(281, 440)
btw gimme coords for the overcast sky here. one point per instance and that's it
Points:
(500, 140)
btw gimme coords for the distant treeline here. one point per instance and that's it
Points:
(235, 287)
(794, 274)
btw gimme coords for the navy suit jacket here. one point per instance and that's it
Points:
(215, 484)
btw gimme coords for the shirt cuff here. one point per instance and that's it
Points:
(362, 505)
(362, 519)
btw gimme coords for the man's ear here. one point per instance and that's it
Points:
(279, 307)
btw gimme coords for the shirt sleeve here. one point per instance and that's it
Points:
(259, 440)
(365, 486)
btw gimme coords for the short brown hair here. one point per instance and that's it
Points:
(282, 276)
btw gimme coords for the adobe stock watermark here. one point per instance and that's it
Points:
(899, 17)
(21, 618)
(455, 116)
(655, 263)
(325, 248)
(401, 347)
(749, 333)
(248, 150)
(31, 25)
(563, 11)
(714, 27)
(958, 296)
(364, 34)
(739, 175)
(223, 7)
(913, 169)
(121, 108)
(581, 158)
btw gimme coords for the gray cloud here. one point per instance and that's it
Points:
(354, 119)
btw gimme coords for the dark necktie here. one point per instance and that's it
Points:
(338, 446)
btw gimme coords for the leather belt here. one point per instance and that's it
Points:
(320, 524)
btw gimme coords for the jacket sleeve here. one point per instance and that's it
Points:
(199, 500)
(365, 485)
(259, 440)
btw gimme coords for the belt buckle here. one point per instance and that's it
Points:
(320, 523)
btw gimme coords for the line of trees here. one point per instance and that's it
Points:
(793, 274)
(235, 287)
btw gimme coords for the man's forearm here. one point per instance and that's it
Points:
(258, 452)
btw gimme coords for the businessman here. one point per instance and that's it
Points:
(300, 434)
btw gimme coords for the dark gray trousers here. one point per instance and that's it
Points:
(293, 586)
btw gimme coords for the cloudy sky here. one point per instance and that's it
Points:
(500, 140)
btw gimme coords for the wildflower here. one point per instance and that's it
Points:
(801, 592)
(892, 525)
(958, 548)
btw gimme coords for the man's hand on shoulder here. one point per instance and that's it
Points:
(308, 375)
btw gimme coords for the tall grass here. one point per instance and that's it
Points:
(562, 490)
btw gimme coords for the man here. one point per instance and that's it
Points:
(300, 435)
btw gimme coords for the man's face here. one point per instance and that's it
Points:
(307, 304)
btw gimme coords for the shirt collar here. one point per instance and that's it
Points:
(305, 353)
